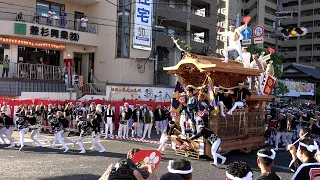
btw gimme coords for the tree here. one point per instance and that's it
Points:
(281, 89)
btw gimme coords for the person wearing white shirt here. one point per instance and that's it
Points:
(257, 63)
(109, 120)
(51, 15)
(84, 23)
(234, 40)
(6, 108)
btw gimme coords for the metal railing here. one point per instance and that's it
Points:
(42, 19)
(32, 71)
(93, 88)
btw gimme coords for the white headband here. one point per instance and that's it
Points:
(273, 156)
(174, 171)
(310, 148)
(247, 177)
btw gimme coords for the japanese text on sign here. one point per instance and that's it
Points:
(143, 25)
(36, 31)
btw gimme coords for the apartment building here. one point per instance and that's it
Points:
(172, 17)
(262, 13)
(98, 40)
(305, 49)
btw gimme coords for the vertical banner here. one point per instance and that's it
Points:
(142, 37)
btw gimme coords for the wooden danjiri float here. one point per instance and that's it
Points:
(245, 128)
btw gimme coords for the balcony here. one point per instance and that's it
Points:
(34, 71)
(291, 54)
(292, 43)
(34, 17)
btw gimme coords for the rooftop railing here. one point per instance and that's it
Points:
(42, 18)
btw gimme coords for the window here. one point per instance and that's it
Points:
(123, 31)
(44, 6)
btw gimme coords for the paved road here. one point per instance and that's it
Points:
(51, 164)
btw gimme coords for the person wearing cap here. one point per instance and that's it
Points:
(96, 134)
(85, 129)
(234, 40)
(191, 108)
(166, 134)
(281, 131)
(238, 170)
(109, 121)
(213, 139)
(265, 162)
(308, 168)
(57, 128)
(9, 127)
(225, 102)
(137, 117)
(181, 167)
(242, 95)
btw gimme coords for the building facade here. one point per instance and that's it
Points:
(94, 37)
(174, 20)
(261, 12)
(305, 49)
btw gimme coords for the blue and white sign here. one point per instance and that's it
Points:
(247, 33)
(142, 38)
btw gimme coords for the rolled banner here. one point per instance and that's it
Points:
(246, 19)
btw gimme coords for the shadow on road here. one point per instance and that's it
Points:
(73, 177)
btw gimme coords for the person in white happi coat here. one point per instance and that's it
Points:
(259, 62)
(234, 40)
(109, 121)
(246, 58)
(6, 108)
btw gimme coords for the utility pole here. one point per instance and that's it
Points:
(189, 23)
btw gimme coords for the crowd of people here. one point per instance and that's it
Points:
(84, 120)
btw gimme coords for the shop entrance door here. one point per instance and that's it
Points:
(77, 63)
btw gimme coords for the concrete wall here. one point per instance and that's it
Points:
(48, 95)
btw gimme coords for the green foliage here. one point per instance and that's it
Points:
(281, 89)
(276, 59)
(188, 48)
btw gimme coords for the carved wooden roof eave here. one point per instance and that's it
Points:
(206, 67)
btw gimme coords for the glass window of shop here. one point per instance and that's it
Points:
(44, 6)
(33, 56)
(123, 31)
